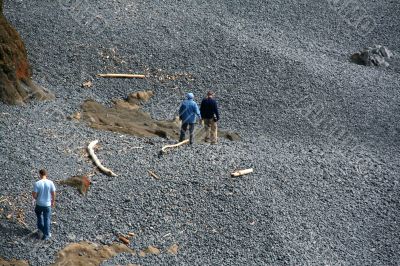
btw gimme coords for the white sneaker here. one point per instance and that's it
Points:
(46, 237)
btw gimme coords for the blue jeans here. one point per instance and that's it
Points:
(43, 215)
(183, 132)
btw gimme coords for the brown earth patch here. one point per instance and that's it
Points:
(87, 253)
(173, 249)
(150, 250)
(13, 262)
(125, 116)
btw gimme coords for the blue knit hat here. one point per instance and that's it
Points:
(190, 96)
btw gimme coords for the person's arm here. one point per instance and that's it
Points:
(53, 195)
(197, 111)
(216, 110)
(34, 192)
(53, 199)
(181, 110)
(202, 107)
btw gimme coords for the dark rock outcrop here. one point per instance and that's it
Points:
(372, 56)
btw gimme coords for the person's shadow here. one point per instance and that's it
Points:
(11, 231)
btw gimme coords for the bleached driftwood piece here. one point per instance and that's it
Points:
(97, 161)
(242, 172)
(130, 235)
(163, 149)
(129, 76)
(151, 173)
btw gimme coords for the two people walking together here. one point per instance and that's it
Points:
(207, 113)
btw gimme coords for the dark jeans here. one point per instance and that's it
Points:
(43, 219)
(183, 132)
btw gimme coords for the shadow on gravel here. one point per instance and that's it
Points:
(13, 232)
(126, 117)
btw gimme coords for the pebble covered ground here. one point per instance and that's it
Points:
(321, 133)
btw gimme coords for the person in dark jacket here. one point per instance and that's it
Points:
(187, 113)
(209, 113)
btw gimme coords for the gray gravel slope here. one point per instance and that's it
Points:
(283, 81)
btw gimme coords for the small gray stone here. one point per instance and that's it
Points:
(385, 52)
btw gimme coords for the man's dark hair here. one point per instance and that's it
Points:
(43, 172)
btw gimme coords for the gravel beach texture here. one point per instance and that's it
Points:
(321, 132)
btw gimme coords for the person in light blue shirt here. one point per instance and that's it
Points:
(44, 192)
(187, 113)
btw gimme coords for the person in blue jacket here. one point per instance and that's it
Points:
(187, 113)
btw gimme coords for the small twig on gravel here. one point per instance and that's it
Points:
(166, 235)
(154, 175)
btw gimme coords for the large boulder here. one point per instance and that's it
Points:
(372, 56)
(16, 86)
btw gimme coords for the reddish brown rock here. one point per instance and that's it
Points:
(16, 86)
(81, 183)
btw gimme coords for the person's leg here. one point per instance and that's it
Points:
(191, 132)
(207, 129)
(183, 131)
(39, 211)
(214, 132)
(46, 222)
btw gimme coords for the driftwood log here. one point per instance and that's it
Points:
(128, 76)
(164, 149)
(242, 172)
(97, 161)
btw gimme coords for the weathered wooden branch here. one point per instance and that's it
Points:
(129, 76)
(242, 172)
(97, 161)
(163, 149)
(153, 175)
